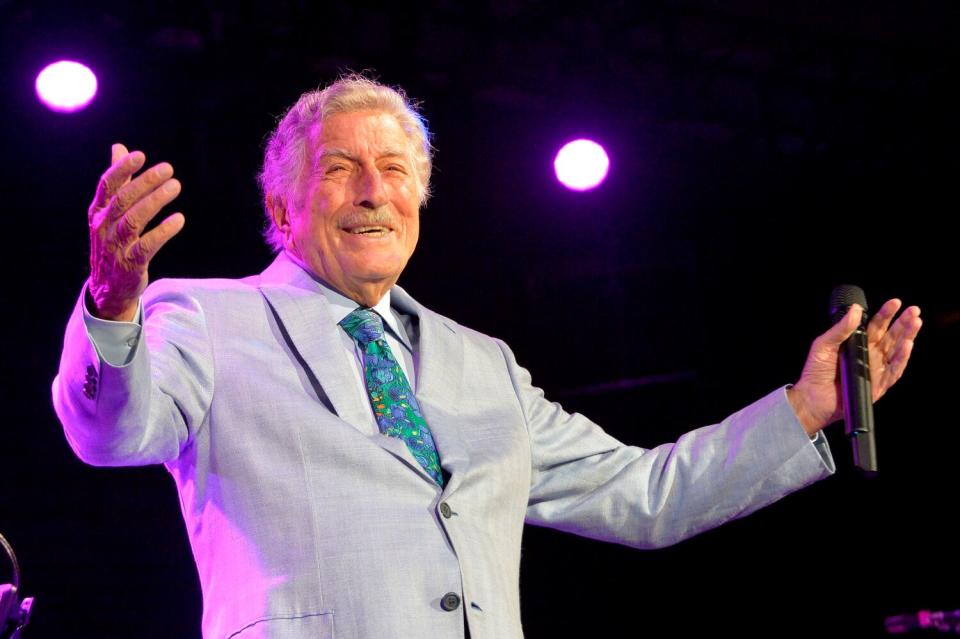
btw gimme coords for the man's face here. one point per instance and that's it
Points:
(360, 217)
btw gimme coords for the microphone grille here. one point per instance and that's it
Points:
(843, 297)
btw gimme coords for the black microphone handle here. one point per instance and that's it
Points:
(858, 399)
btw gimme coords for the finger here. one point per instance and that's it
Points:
(908, 327)
(843, 329)
(907, 324)
(133, 191)
(132, 223)
(895, 368)
(879, 323)
(117, 151)
(116, 176)
(900, 358)
(893, 360)
(148, 245)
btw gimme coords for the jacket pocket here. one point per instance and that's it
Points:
(309, 625)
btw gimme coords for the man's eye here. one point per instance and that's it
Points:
(334, 168)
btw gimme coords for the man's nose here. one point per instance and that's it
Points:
(370, 193)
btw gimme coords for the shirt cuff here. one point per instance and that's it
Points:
(818, 441)
(115, 342)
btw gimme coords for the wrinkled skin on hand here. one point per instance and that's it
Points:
(120, 252)
(816, 397)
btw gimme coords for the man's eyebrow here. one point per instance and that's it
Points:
(337, 152)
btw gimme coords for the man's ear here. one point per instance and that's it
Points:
(278, 211)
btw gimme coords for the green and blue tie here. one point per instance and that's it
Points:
(396, 409)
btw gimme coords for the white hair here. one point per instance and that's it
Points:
(287, 156)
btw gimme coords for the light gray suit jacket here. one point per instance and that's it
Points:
(305, 522)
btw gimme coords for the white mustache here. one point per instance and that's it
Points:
(376, 217)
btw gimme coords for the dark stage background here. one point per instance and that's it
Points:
(761, 154)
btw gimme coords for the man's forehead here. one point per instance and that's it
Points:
(347, 134)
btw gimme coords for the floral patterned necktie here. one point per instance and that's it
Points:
(396, 409)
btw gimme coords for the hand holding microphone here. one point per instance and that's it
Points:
(818, 398)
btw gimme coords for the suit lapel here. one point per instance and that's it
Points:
(302, 312)
(439, 383)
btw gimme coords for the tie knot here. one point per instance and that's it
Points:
(363, 325)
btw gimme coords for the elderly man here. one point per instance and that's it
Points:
(350, 463)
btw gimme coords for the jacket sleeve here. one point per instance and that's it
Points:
(586, 482)
(147, 408)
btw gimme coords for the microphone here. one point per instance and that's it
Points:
(14, 613)
(855, 379)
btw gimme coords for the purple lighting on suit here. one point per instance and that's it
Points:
(66, 86)
(581, 165)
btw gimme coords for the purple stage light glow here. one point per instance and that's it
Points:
(66, 86)
(581, 165)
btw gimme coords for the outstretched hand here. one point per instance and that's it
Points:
(121, 209)
(816, 397)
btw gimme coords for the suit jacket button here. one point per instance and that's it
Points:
(445, 510)
(91, 371)
(450, 601)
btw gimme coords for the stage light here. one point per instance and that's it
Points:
(581, 165)
(66, 86)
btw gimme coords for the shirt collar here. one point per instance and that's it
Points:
(341, 305)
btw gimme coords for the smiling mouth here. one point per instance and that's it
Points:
(370, 231)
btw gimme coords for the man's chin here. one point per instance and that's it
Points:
(372, 266)
(369, 282)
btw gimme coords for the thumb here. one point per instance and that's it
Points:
(843, 329)
(117, 151)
